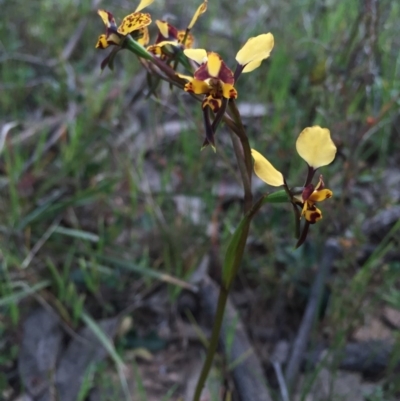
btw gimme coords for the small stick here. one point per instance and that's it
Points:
(281, 380)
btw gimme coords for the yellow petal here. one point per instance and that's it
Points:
(144, 37)
(102, 42)
(312, 214)
(155, 49)
(163, 28)
(251, 66)
(319, 196)
(214, 64)
(197, 87)
(316, 147)
(200, 10)
(143, 4)
(266, 171)
(255, 49)
(228, 91)
(213, 103)
(189, 39)
(106, 17)
(198, 55)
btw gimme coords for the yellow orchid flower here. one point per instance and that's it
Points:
(316, 147)
(309, 197)
(214, 79)
(134, 24)
(169, 35)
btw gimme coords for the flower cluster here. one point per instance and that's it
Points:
(316, 148)
(207, 75)
(135, 27)
(212, 78)
(169, 36)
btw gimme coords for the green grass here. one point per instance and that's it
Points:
(72, 172)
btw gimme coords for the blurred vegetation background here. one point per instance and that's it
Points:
(107, 204)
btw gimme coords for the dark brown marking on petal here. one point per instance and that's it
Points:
(232, 94)
(189, 87)
(314, 217)
(225, 74)
(307, 191)
(172, 32)
(189, 39)
(202, 73)
(213, 102)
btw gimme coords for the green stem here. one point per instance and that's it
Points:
(241, 132)
(244, 162)
(212, 348)
(248, 196)
(222, 299)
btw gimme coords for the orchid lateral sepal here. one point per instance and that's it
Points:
(297, 219)
(217, 119)
(209, 140)
(220, 114)
(303, 235)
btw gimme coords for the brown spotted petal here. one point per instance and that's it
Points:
(312, 214)
(214, 103)
(142, 36)
(189, 39)
(134, 22)
(197, 87)
(102, 42)
(111, 37)
(156, 50)
(229, 92)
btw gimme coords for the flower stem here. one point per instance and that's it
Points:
(243, 170)
(241, 132)
(212, 348)
(244, 161)
(222, 299)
